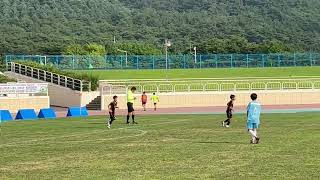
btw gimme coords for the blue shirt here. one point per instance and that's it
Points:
(254, 111)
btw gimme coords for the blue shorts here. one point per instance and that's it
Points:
(252, 125)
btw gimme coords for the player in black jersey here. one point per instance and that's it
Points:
(112, 110)
(229, 112)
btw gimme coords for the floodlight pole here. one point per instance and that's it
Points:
(195, 54)
(166, 56)
(167, 44)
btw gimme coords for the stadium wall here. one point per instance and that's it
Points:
(13, 104)
(61, 96)
(203, 99)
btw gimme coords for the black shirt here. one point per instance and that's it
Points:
(113, 106)
(230, 106)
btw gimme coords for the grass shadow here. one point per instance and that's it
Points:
(97, 123)
(219, 142)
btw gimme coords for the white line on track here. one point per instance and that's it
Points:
(142, 133)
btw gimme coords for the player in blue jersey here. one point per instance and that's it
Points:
(253, 118)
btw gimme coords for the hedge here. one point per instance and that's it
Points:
(5, 79)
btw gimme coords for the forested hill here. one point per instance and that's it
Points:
(47, 26)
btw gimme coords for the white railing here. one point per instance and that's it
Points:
(219, 86)
(61, 80)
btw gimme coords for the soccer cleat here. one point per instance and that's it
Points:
(222, 123)
(227, 126)
(257, 140)
(134, 122)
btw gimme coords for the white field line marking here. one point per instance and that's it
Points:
(97, 131)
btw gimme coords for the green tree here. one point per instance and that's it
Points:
(74, 49)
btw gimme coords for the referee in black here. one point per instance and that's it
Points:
(130, 100)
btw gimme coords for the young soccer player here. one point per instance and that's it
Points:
(112, 110)
(229, 112)
(155, 100)
(130, 101)
(144, 99)
(253, 118)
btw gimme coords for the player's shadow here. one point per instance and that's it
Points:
(97, 123)
(86, 127)
(218, 142)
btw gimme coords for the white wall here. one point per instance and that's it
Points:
(61, 96)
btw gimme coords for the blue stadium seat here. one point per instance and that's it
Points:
(48, 113)
(5, 115)
(77, 112)
(26, 114)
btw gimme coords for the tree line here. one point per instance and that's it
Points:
(141, 26)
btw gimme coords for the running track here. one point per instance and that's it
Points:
(61, 112)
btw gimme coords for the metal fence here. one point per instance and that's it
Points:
(174, 61)
(207, 85)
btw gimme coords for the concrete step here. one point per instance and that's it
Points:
(95, 104)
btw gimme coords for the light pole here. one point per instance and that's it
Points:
(126, 56)
(195, 55)
(167, 44)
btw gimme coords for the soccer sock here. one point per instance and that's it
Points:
(253, 134)
(111, 120)
(133, 118)
(128, 117)
(227, 121)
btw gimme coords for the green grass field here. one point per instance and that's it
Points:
(161, 147)
(205, 73)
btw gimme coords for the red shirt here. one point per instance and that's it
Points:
(144, 98)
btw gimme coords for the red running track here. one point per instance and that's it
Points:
(61, 112)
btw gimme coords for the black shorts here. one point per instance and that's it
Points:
(130, 107)
(154, 103)
(229, 114)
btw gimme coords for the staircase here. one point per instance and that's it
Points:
(63, 91)
(95, 104)
(49, 77)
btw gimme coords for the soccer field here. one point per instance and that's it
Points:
(205, 73)
(161, 147)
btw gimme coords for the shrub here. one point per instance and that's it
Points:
(5, 79)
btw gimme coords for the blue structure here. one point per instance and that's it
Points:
(47, 113)
(26, 114)
(174, 61)
(5, 115)
(77, 112)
